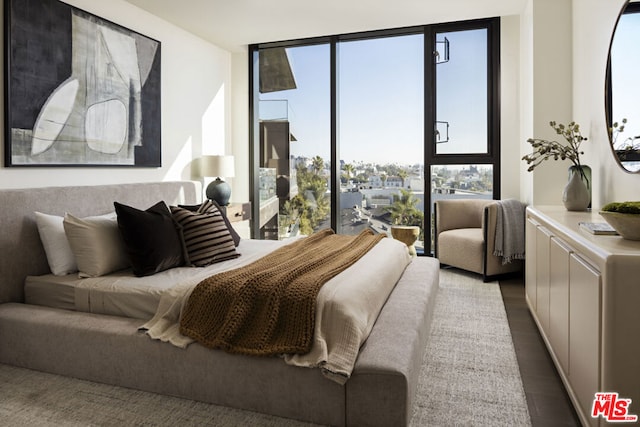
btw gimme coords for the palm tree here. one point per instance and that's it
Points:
(317, 164)
(403, 175)
(403, 210)
(348, 170)
(312, 203)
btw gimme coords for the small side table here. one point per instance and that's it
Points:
(238, 211)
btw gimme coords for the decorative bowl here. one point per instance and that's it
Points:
(626, 224)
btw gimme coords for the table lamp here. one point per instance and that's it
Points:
(220, 167)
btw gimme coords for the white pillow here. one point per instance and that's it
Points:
(54, 240)
(96, 243)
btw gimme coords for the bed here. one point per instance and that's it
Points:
(53, 332)
(121, 293)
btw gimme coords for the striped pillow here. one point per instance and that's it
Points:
(206, 236)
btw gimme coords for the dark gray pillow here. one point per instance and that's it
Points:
(152, 238)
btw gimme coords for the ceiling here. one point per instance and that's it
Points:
(235, 24)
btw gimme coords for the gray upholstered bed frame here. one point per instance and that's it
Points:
(109, 349)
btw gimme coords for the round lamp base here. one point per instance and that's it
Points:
(219, 191)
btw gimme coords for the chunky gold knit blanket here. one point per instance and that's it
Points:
(268, 307)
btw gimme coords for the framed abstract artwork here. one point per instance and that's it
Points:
(79, 90)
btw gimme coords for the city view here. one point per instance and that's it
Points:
(375, 196)
(380, 133)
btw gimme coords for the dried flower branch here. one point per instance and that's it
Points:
(544, 149)
(629, 144)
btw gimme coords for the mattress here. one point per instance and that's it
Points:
(122, 293)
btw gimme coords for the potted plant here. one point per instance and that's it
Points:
(577, 193)
(406, 219)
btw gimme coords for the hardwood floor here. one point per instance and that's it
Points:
(548, 402)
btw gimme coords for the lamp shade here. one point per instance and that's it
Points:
(220, 166)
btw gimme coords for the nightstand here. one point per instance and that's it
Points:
(238, 211)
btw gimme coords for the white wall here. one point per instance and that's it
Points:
(526, 98)
(552, 68)
(196, 105)
(594, 21)
(564, 49)
(546, 92)
(240, 120)
(509, 106)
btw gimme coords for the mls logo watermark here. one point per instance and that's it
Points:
(612, 408)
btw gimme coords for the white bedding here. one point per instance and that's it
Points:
(348, 306)
(123, 294)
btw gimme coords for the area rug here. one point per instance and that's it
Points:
(470, 374)
(469, 377)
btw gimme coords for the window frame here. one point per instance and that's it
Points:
(431, 158)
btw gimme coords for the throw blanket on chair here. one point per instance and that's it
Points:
(268, 307)
(509, 242)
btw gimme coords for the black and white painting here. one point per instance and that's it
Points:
(80, 90)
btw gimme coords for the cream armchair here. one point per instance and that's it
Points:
(465, 232)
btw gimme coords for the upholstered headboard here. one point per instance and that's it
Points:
(21, 252)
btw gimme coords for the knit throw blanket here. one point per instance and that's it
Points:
(268, 307)
(510, 220)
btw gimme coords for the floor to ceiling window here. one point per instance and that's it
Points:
(293, 125)
(380, 105)
(368, 130)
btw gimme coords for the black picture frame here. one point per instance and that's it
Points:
(79, 90)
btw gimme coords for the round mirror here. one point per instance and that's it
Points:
(623, 89)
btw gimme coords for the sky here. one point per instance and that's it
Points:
(625, 62)
(381, 98)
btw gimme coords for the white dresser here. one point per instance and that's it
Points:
(584, 293)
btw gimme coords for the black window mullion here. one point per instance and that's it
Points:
(335, 162)
(254, 141)
(429, 98)
(493, 86)
(429, 128)
(456, 159)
